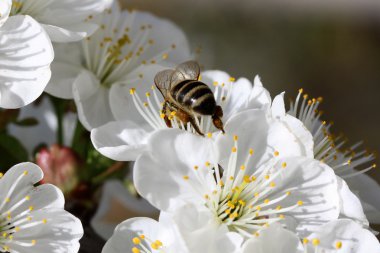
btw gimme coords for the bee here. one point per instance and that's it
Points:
(186, 96)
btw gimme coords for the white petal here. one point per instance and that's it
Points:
(367, 189)
(62, 79)
(353, 237)
(5, 8)
(259, 95)
(350, 206)
(92, 101)
(315, 185)
(70, 33)
(60, 234)
(45, 131)
(26, 54)
(64, 20)
(117, 205)
(170, 157)
(278, 106)
(264, 135)
(274, 239)
(121, 140)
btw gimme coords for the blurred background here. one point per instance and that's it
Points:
(331, 48)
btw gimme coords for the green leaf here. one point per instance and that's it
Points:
(12, 151)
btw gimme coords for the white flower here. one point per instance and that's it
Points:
(32, 219)
(340, 236)
(125, 140)
(46, 130)
(185, 231)
(63, 20)
(25, 56)
(349, 163)
(126, 50)
(261, 171)
(116, 205)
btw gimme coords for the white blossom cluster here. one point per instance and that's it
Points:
(275, 181)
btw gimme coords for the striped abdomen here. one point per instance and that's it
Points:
(194, 96)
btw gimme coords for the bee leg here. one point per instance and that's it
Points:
(185, 118)
(216, 118)
(166, 118)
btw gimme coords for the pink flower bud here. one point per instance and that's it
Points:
(60, 166)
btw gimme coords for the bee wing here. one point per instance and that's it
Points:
(189, 70)
(163, 80)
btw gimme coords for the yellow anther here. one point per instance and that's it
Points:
(135, 250)
(324, 122)
(272, 184)
(44, 221)
(173, 113)
(186, 177)
(7, 200)
(276, 153)
(267, 177)
(247, 179)
(315, 242)
(33, 242)
(266, 201)
(234, 149)
(256, 194)
(207, 164)
(374, 165)
(283, 165)
(232, 79)
(206, 196)
(6, 248)
(250, 151)
(147, 94)
(305, 96)
(257, 234)
(1, 175)
(25, 172)
(235, 138)
(145, 104)
(288, 193)
(300, 91)
(338, 245)
(209, 135)
(221, 183)
(242, 202)
(196, 167)
(278, 207)
(31, 208)
(27, 197)
(258, 208)
(231, 178)
(165, 56)
(162, 115)
(215, 83)
(253, 178)
(17, 229)
(29, 218)
(300, 202)
(158, 242)
(5, 234)
(305, 241)
(228, 211)
(281, 216)
(132, 91)
(242, 167)
(142, 236)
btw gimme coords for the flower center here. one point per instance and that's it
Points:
(29, 7)
(328, 148)
(146, 245)
(151, 109)
(246, 201)
(119, 46)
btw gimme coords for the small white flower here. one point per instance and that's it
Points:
(116, 205)
(262, 174)
(349, 164)
(25, 56)
(185, 231)
(46, 130)
(32, 219)
(340, 236)
(126, 51)
(64, 20)
(125, 140)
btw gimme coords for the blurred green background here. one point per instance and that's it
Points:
(331, 48)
